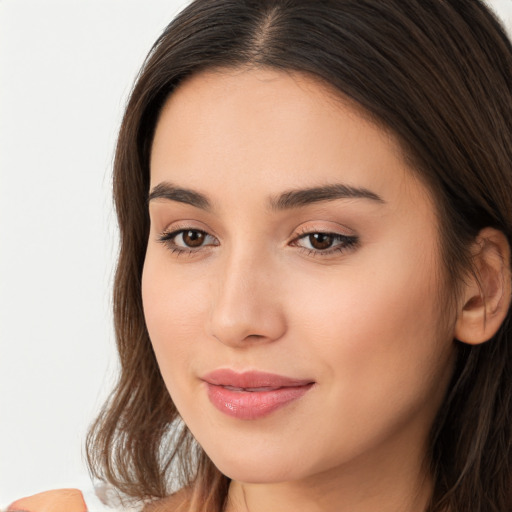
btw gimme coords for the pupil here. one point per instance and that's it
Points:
(193, 238)
(320, 240)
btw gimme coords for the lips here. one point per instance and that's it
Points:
(252, 395)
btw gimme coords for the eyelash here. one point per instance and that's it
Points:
(345, 242)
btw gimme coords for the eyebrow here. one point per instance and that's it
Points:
(285, 201)
(303, 197)
(169, 191)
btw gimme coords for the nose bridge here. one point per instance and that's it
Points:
(245, 303)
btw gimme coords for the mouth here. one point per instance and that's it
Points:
(252, 395)
(250, 390)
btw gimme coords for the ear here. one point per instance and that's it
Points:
(486, 296)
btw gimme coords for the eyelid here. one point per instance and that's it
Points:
(182, 224)
(330, 227)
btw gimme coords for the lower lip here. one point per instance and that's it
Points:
(251, 405)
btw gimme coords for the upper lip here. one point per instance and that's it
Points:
(252, 379)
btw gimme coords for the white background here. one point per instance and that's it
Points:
(66, 68)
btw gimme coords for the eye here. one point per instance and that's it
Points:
(187, 240)
(320, 241)
(190, 238)
(324, 243)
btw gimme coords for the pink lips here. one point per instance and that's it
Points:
(252, 395)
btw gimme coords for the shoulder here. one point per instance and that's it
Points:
(97, 500)
(62, 500)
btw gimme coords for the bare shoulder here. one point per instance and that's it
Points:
(61, 500)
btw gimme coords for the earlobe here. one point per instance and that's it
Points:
(487, 292)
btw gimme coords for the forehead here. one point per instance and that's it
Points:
(267, 131)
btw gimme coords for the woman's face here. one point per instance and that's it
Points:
(289, 237)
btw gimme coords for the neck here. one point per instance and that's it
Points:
(396, 484)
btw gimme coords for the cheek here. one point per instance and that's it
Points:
(375, 299)
(378, 323)
(175, 307)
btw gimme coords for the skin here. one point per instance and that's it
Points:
(364, 322)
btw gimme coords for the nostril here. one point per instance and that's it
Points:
(249, 337)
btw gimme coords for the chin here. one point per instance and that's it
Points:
(259, 470)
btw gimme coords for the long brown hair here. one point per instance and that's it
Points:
(438, 75)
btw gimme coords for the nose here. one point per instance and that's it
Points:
(246, 306)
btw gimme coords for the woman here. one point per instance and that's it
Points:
(313, 293)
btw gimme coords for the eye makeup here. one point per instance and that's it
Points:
(314, 243)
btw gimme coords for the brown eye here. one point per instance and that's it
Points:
(187, 240)
(325, 243)
(193, 238)
(321, 241)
